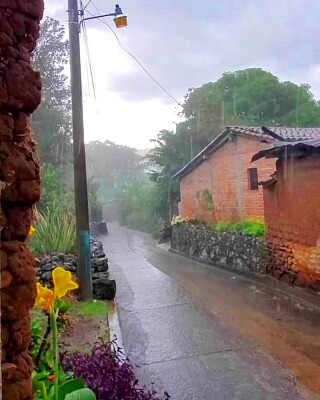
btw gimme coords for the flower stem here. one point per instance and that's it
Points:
(53, 315)
(42, 348)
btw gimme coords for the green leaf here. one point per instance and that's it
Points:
(36, 377)
(63, 306)
(82, 394)
(69, 387)
(43, 390)
(51, 395)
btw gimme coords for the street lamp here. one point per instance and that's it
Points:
(80, 173)
(120, 19)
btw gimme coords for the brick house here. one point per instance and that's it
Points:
(292, 212)
(221, 183)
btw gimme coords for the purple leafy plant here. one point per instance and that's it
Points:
(108, 374)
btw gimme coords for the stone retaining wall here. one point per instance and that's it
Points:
(103, 287)
(234, 250)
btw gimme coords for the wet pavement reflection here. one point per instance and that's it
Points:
(201, 332)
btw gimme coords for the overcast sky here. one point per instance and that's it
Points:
(183, 44)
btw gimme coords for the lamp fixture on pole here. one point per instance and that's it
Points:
(120, 20)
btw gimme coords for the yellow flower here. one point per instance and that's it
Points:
(62, 281)
(45, 297)
(32, 230)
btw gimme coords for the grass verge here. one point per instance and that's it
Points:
(94, 308)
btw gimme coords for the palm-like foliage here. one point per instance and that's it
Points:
(55, 231)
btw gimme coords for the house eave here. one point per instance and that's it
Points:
(214, 145)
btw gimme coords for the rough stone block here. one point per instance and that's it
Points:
(104, 289)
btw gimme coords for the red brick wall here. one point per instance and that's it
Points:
(225, 175)
(292, 213)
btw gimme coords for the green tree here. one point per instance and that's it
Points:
(111, 163)
(56, 190)
(52, 120)
(249, 97)
(171, 152)
(51, 184)
(138, 201)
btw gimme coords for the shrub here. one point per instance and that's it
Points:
(250, 227)
(55, 231)
(107, 374)
(179, 219)
(138, 202)
(56, 188)
(51, 185)
(222, 226)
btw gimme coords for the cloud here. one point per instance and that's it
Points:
(191, 52)
(56, 9)
(185, 44)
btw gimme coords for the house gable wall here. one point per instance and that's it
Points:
(292, 213)
(224, 177)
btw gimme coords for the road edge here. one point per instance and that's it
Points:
(115, 329)
(296, 293)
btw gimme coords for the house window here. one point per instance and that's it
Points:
(253, 179)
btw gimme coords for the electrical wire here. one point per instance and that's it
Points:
(85, 37)
(89, 68)
(124, 48)
(83, 8)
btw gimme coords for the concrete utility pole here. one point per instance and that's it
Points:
(80, 173)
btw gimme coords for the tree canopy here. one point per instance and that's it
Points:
(52, 120)
(251, 97)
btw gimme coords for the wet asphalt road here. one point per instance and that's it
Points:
(199, 332)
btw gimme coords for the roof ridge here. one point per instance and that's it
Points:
(286, 134)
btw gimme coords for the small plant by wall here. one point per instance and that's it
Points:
(250, 227)
(205, 198)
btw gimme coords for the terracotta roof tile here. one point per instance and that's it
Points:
(286, 133)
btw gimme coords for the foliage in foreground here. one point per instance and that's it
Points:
(54, 231)
(49, 380)
(103, 374)
(107, 374)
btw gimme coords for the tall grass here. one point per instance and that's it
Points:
(55, 231)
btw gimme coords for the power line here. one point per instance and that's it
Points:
(85, 37)
(83, 8)
(124, 48)
(89, 68)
